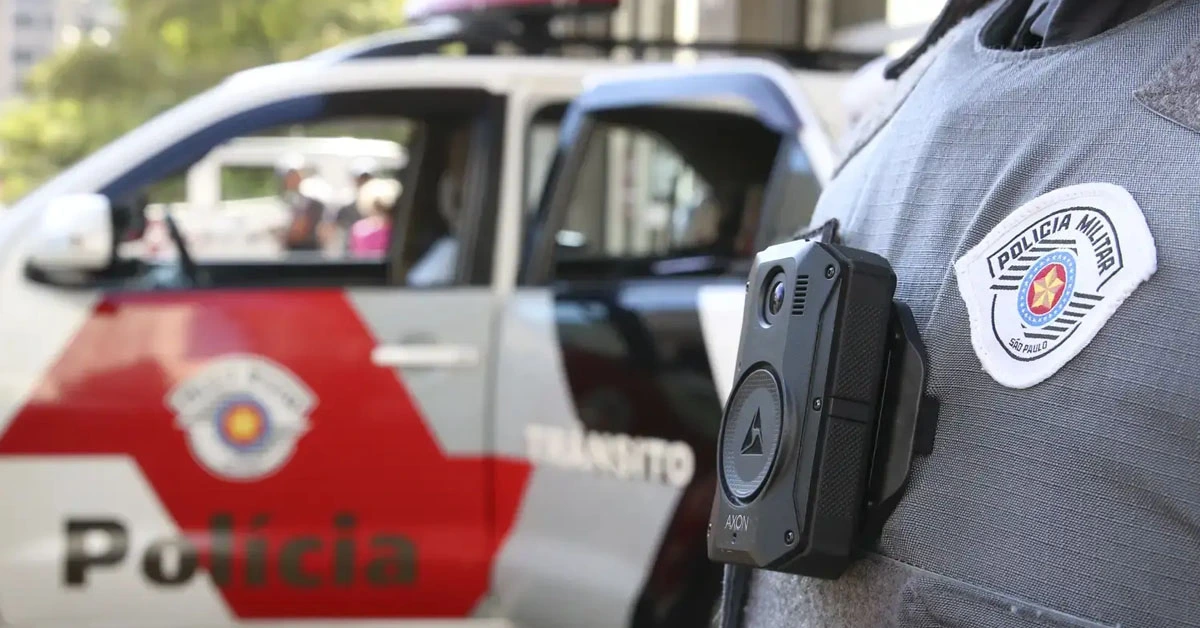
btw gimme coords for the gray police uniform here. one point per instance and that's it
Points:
(1042, 211)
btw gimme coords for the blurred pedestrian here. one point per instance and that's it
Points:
(438, 264)
(362, 170)
(305, 198)
(370, 235)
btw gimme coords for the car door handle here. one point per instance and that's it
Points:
(425, 355)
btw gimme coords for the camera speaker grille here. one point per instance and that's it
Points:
(750, 438)
(800, 295)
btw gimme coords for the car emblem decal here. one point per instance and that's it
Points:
(243, 415)
(1043, 282)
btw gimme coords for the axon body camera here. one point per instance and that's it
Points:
(820, 428)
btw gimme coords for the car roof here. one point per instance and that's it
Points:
(816, 94)
(496, 73)
(500, 74)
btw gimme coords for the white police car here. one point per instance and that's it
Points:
(214, 440)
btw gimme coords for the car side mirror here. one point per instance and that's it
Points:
(75, 234)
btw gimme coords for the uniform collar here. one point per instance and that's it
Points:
(1070, 20)
(1047, 23)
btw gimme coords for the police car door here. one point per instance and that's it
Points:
(605, 382)
(263, 435)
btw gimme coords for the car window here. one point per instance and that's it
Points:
(659, 191)
(287, 192)
(637, 196)
(372, 183)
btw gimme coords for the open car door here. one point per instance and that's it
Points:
(797, 108)
(617, 345)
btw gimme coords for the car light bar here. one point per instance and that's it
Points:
(418, 10)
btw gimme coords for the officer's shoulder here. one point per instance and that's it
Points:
(892, 94)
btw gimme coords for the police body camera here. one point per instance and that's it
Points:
(825, 415)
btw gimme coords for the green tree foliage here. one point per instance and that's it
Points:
(165, 52)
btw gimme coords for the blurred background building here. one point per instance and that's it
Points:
(75, 74)
(859, 25)
(32, 30)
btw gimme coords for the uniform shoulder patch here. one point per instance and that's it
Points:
(1043, 282)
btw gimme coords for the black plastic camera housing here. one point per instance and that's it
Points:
(822, 423)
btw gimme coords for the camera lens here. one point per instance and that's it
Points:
(775, 296)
